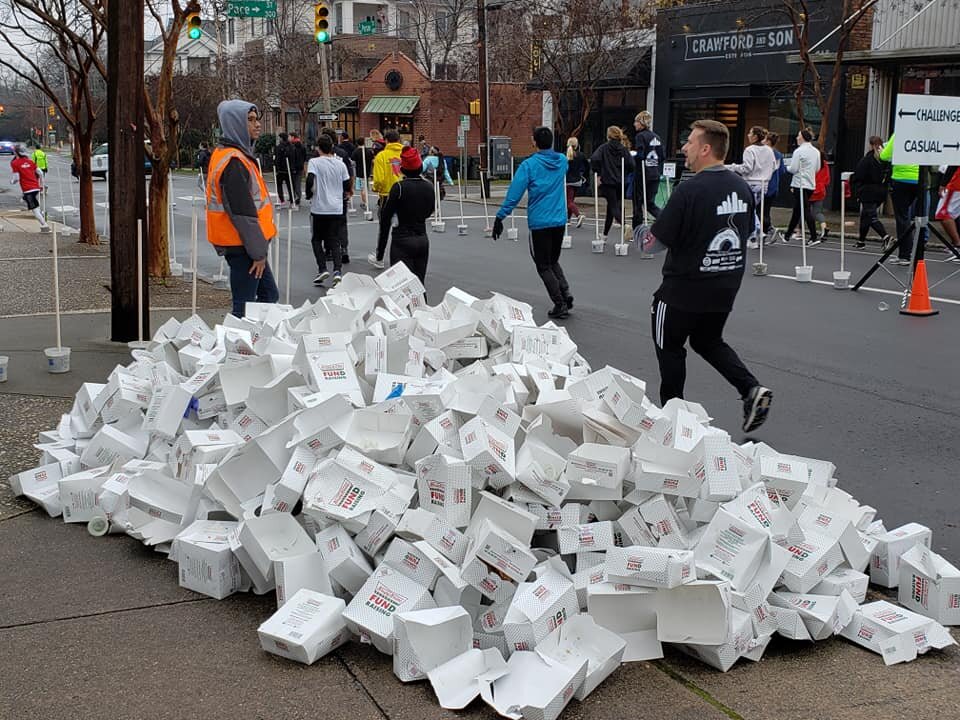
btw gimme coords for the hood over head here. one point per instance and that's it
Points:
(233, 121)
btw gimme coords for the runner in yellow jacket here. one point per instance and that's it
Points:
(386, 165)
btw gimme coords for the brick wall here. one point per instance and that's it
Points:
(515, 111)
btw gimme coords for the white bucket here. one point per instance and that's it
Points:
(566, 243)
(440, 226)
(176, 269)
(597, 246)
(462, 229)
(841, 279)
(621, 249)
(488, 232)
(759, 268)
(804, 273)
(3, 367)
(368, 214)
(58, 360)
(513, 234)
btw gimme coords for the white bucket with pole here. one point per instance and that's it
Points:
(487, 229)
(841, 277)
(512, 232)
(461, 226)
(437, 223)
(176, 268)
(597, 244)
(621, 248)
(286, 289)
(367, 213)
(58, 358)
(804, 273)
(760, 267)
(4, 361)
(193, 260)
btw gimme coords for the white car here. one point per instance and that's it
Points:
(100, 161)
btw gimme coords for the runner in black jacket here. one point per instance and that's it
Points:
(412, 201)
(704, 227)
(650, 158)
(606, 162)
(869, 186)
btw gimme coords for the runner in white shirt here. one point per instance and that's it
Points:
(327, 183)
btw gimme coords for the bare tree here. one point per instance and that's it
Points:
(445, 36)
(852, 12)
(68, 36)
(570, 47)
(299, 75)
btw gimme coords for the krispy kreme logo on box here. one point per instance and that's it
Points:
(522, 645)
(449, 539)
(281, 645)
(865, 633)
(596, 577)
(459, 496)
(803, 603)
(823, 520)
(488, 620)
(920, 638)
(634, 562)
(616, 397)
(299, 468)
(889, 616)
(438, 492)
(686, 432)
(335, 371)
(349, 496)
(664, 527)
(384, 600)
(760, 613)
(445, 423)
(720, 463)
(411, 561)
(920, 590)
(759, 513)
(490, 584)
(244, 420)
(498, 449)
(953, 601)
(557, 619)
(784, 467)
(586, 537)
(501, 415)
(366, 467)
(567, 693)
(470, 437)
(822, 568)
(333, 544)
(42, 475)
(670, 483)
(541, 592)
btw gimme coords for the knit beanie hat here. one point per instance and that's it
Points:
(410, 160)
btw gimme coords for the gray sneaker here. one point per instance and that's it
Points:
(45, 230)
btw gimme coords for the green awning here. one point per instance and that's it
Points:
(336, 104)
(392, 104)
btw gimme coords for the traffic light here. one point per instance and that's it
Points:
(474, 107)
(321, 23)
(2, 109)
(193, 23)
(51, 111)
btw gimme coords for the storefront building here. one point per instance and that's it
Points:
(729, 63)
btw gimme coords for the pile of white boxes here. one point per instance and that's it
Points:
(456, 487)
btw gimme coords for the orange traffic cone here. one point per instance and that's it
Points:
(919, 303)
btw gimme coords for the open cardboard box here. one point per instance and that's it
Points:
(426, 639)
(534, 688)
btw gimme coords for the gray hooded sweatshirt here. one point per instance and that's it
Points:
(235, 181)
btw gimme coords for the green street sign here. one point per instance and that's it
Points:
(367, 27)
(252, 9)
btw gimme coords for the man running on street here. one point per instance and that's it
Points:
(704, 227)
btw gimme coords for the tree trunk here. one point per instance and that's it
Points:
(88, 219)
(158, 250)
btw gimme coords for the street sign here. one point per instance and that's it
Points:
(326, 116)
(670, 170)
(367, 27)
(461, 137)
(252, 9)
(465, 122)
(927, 130)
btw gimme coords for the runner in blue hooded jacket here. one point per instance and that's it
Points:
(543, 177)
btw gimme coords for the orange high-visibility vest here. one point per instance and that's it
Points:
(220, 230)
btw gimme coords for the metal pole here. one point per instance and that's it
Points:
(484, 85)
(325, 77)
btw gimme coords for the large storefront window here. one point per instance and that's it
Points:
(402, 123)
(785, 122)
(729, 112)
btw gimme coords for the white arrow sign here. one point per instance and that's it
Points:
(927, 130)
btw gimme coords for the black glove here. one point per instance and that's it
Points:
(497, 228)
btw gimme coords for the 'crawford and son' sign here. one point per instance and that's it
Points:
(738, 44)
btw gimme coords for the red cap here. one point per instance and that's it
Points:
(410, 159)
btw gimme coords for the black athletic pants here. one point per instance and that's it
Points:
(671, 330)
(284, 179)
(611, 193)
(545, 251)
(413, 251)
(327, 231)
(869, 218)
(801, 203)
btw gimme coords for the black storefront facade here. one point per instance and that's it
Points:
(729, 63)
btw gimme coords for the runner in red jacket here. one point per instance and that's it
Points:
(30, 178)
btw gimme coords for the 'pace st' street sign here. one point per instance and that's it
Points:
(927, 130)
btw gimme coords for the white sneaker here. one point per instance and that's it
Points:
(45, 229)
(752, 244)
(372, 259)
(579, 220)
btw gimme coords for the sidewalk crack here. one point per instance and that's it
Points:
(31, 623)
(676, 675)
(358, 681)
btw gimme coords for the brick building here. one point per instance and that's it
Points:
(397, 93)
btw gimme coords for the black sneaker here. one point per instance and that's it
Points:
(860, 244)
(318, 280)
(336, 279)
(569, 298)
(345, 259)
(756, 405)
(886, 243)
(559, 311)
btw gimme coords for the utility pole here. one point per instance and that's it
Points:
(484, 84)
(128, 202)
(325, 77)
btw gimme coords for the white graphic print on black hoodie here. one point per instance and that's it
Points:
(704, 227)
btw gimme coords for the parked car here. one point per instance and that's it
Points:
(100, 161)
(6, 147)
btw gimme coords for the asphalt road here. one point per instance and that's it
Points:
(870, 390)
